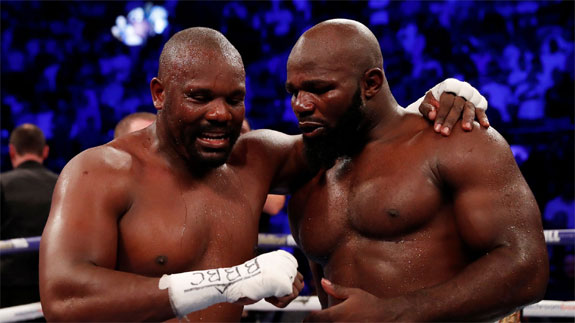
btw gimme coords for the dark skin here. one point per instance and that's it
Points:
(127, 212)
(176, 196)
(415, 226)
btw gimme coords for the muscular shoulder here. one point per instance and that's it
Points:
(105, 158)
(481, 152)
(104, 166)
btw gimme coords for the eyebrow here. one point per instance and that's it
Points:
(239, 92)
(309, 84)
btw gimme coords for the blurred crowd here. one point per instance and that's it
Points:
(63, 70)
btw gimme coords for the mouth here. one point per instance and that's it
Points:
(214, 140)
(311, 129)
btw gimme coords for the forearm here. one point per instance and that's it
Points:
(491, 287)
(88, 292)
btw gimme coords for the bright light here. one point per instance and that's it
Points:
(140, 24)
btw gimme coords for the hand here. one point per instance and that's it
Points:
(282, 302)
(276, 275)
(359, 305)
(468, 104)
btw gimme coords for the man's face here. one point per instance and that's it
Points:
(204, 108)
(326, 99)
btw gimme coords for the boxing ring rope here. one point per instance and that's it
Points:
(545, 308)
(268, 240)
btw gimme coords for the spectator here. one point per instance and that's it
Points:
(26, 193)
(133, 122)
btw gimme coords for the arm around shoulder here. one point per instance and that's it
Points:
(281, 155)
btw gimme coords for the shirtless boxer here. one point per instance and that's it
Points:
(409, 232)
(173, 198)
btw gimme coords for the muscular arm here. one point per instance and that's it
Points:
(498, 218)
(78, 280)
(280, 154)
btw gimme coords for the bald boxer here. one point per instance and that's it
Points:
(164, 222)
(414, 226)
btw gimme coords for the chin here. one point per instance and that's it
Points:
(212, 159)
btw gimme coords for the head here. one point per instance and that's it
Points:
(199, 94)
(245, 127)
(27, 142)
(133, 122)
(334, 73)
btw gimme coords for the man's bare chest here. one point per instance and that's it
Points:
(381, 198)
(174, 226)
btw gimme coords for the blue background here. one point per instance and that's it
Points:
(63, 70)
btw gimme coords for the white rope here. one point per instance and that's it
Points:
(21, 313)
(303, 304)
(266, 240)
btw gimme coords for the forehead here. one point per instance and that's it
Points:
(314, 65)
(208, 69)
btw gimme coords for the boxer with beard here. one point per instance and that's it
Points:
(163, 222)
(400, 224)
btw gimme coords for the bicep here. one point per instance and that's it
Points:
(492, 201)
(82, 226)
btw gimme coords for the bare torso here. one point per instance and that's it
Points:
(151, 217)
(386, 226)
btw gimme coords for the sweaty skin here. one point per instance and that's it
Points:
(414, 226)
(141, 206)
(174, 197)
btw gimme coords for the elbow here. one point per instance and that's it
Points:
(62, 311)
(535, 274)
(55, 311)
(60, 304)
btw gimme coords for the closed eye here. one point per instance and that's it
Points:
(200, 96)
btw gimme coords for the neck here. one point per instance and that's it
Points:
(18, 160)
(385, 113)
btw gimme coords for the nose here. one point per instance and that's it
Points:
(219, 111)
(302, 103)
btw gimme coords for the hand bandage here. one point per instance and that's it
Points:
(270, 274)
(452, 85)
(462, 89)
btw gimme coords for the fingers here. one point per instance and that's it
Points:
(453, 115)
(482, 117)
(468, 116)
(282, 302)
(428, 108)
(334, 290)
(298, 282)
(445, 102)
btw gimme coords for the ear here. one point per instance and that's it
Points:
(157, 89)
(45, 152)
(372, 81)
(11, 151)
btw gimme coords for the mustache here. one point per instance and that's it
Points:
(218, 129)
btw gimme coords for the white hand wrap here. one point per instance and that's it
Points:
(458, 87)
(270, 274)
(462, 89)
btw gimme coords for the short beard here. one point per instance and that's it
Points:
(200, 162)
(347, 138)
